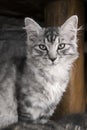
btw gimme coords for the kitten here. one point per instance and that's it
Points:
(50, 55)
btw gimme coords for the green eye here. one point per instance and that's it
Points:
(61, 46)
(42, 47)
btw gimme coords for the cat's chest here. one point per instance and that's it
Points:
(52, 75)
(52, 81)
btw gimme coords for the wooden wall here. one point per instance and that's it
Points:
(56, 13)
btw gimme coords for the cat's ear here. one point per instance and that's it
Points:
(31, 23)
(71, 23)
(32, 28)
(70, 26)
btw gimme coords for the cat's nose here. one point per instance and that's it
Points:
(53, 59)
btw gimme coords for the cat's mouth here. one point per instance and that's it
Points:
(53, 63)
(50, 64)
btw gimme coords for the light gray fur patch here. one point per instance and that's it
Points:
(8, 103)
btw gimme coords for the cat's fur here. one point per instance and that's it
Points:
(8, 103)
(50, 55)
(70, 122)
(27, 126)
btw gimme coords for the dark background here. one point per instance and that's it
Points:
(31, 8)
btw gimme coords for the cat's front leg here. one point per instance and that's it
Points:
(36, 114)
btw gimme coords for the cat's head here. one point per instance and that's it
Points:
(52, 45)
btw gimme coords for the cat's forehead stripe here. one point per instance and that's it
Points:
(51, 34)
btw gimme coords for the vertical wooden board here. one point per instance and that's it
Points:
(56, 13)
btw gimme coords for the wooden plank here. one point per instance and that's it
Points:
(55, 14)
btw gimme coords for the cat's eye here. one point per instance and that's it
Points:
(61, 46)
(42, 47)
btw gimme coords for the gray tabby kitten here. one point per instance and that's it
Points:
(50, 55)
